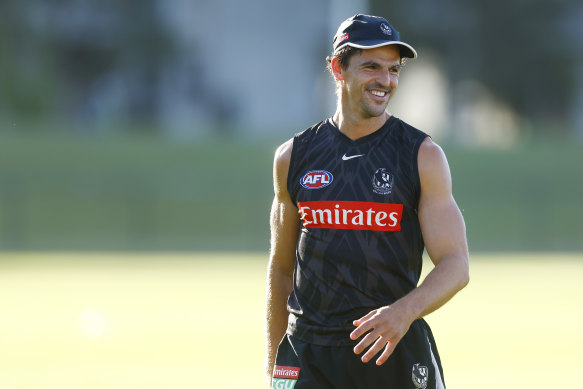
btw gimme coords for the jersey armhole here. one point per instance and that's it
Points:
(291, 188)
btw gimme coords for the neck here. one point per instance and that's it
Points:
(356, 127)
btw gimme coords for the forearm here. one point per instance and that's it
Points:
(284, 222)
(449, 276)
(279, 286)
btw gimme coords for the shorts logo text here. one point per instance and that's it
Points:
(280, 383)
(351, 215)
(285, 377)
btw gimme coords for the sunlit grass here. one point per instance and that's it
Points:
(124, 321)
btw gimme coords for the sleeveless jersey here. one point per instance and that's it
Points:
(360, 245)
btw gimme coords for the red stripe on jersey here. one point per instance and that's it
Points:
(351, 215)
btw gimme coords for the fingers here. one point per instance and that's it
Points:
(364, 318)
(363, 325)
(383, 329)
(365, 342)
(379, 337)
(381, 342)
(376, 348)
(386, 352)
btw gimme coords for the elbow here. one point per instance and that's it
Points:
(464, 278)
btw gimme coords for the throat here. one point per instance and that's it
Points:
(356, 128)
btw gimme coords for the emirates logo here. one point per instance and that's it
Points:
(351, 215)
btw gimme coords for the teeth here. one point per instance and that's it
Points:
(378, 93)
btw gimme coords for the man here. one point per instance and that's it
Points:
(357, 198)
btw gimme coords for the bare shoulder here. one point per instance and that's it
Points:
(433, 166)
(281, 167)
(430, 154)
(283, 153)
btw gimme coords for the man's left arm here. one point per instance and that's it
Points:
(444, 234)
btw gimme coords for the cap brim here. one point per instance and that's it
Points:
(408, 51)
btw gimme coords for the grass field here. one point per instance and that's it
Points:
(124, 321)
(152, 194)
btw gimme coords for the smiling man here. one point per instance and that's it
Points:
(357, 199)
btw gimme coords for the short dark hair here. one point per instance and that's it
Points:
(344, 55)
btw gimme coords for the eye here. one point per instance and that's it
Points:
(370, 66)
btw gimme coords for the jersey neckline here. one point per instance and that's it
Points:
(365, 139)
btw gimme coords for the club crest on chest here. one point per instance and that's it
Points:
(382, 181)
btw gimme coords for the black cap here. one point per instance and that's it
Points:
(368, 32)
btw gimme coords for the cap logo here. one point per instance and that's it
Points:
(343, 38)
(386, 29)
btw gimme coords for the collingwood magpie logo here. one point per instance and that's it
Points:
(420, 376)
(382, 182)
(386, 29)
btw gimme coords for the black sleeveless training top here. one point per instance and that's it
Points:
(360, 246)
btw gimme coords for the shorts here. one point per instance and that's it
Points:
(413, 364)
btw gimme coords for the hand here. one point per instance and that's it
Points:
(385, 326)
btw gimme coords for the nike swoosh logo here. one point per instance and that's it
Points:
(346, 157)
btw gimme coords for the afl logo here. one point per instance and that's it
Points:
(316, 179)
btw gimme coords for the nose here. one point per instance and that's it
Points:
(384, 78)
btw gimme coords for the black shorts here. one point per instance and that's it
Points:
(413, 364)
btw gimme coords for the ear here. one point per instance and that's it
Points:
(336, 69)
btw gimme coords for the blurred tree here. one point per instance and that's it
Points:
(516, 48)
(82, 59)
(26, 65)
(109, 61)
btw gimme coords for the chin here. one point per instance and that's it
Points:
(375, 113)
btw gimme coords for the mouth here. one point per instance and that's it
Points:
(378, 93)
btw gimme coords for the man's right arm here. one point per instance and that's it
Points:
(284, 222)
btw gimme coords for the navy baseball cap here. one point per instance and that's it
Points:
(368, 32)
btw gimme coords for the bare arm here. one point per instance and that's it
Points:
(284, 221)
(444, 234)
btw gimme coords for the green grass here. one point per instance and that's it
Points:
(123, 193)
(528, 198)
(124, 321)
(133, 194)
